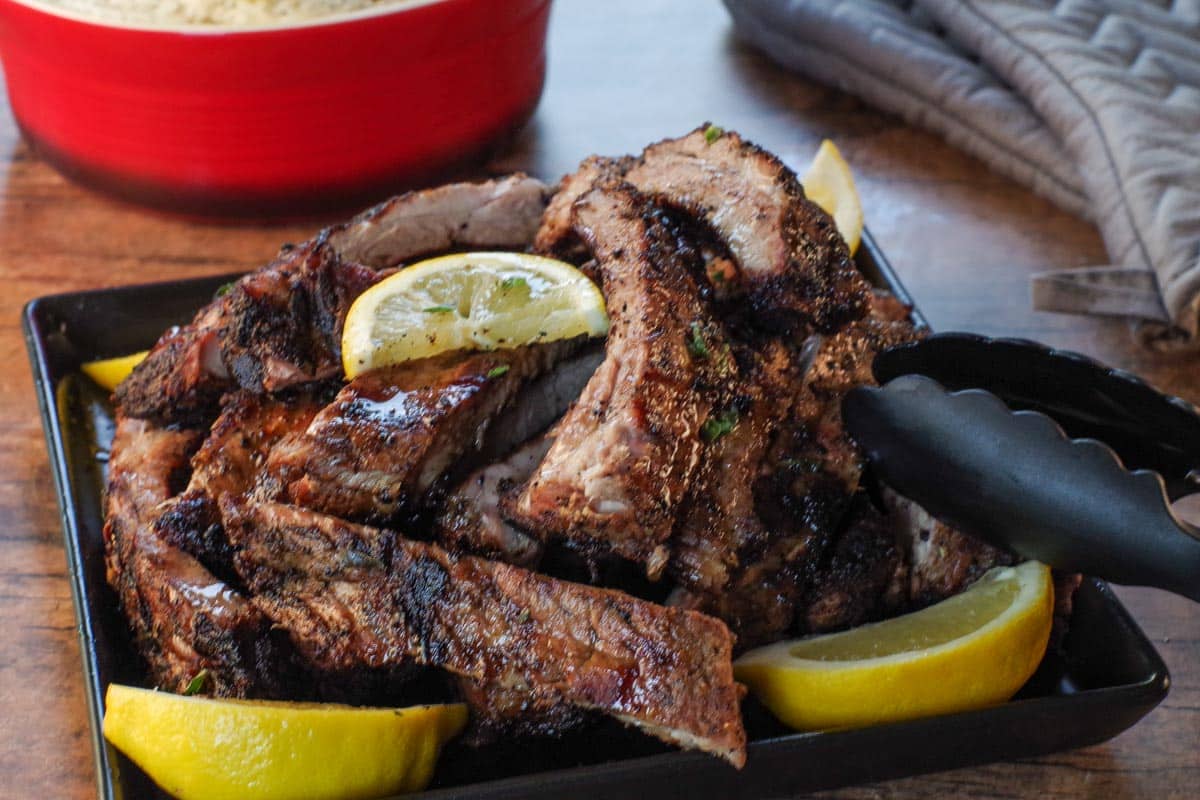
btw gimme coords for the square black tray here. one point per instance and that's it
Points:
(1104, 678)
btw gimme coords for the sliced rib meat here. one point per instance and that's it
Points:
(555, 235)
(759, 524)
(184, 619)
(623, 455)
(353, 596)
(281, 325)
(942, 561)
(390, 439)
(791, 260)
(502, 213)
(232, 460)
(721, 515)
(183, 376)
(471, 520)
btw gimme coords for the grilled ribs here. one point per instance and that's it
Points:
(623, 455)
(350, 595)
(184, 619)
(390, 437)
(702, 449)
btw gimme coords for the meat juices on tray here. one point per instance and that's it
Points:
(704, 447)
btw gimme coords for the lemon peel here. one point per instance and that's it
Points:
(200, 748)
(829, 183)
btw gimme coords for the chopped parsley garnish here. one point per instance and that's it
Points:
(712, 133)
(496, 372)
(718, 425)
(196, 683)
(225, 288)
(523, 617)
(696, 345)
(513, 283)
(439, 309)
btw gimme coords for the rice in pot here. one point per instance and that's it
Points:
(224, 13)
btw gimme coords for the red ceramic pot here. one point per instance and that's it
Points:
(279, 120)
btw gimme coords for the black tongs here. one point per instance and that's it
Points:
(1044, 452)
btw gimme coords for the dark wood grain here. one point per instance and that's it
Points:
(622, 73)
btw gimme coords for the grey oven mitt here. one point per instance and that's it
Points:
(1094, 104)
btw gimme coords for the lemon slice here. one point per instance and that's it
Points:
(970, 651)
(471, 301)
(199, 748)
(829, 184)
(111, 371)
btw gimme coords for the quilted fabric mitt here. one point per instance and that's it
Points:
(1116, 85)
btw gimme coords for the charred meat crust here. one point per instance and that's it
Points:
(354, 596)
(760, 523)
(232, 460)
(184, 619)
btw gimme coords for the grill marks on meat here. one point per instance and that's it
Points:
(232, 460)
(184, 619)
(623, 455)
(281, 325)
(387, 442)
(182, 376)
(717, 272)
(285, 321)
(350, 595)
(721, 518)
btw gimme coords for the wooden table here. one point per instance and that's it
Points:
(622, 74)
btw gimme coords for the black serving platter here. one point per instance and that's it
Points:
(1103, 678)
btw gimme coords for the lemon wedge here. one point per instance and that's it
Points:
(471, 301)
(109, 372)
(829, 184)
(970, 651)
(198, 748)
